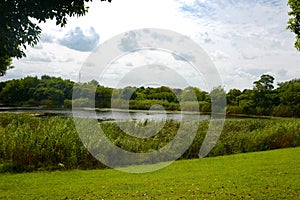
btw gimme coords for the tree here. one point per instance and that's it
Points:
(50, 96)
(246, 102)
(264, 83)
(18, 27)
(5, 64)
(218, 99)
(103, 97)
(128, 93)
(289, 94)
(12, 92)
(263, 95)
(193, 94)
(232, 96)
(294, 22)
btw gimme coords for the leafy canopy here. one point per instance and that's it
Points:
(264, 83)
(18, 23)
(294, 21)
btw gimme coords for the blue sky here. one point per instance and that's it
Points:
(244, 38)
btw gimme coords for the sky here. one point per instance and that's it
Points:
(243, 38)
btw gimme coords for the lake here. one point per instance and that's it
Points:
(109, 114)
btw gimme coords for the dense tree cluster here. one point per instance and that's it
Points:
(48, 91)
(149, 98)
(263, 99)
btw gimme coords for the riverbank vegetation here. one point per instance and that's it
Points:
(53, 92)
(30, 143)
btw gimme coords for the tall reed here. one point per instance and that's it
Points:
(30, 143)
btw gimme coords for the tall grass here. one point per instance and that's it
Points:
(31, 143)
(248, 135)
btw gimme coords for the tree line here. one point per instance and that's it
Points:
(55, 92)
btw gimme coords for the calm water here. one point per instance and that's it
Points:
(111, 114)
(139, 115)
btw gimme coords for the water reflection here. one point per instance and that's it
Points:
(106, 115)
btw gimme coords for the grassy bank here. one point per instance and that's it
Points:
(29, 143)
(262, 175)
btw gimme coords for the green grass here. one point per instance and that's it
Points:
(261, 175)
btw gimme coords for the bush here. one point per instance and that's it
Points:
(234, 110)
(205, 107)
(192, 106)
(81, 102)
(67, 103)
(282, 111)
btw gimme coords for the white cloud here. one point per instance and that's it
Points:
(129, 42)
(47, 38)
(79, 40)
(252, 35)
(219, 55)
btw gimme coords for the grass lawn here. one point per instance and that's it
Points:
(263, 175)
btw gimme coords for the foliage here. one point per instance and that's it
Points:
(5, 64)
(34, 91)
(247, 135)
(264, 83)
(18, 23)
(218, 100)
(30, 143)
(263, 99)
(151, 104)
(48, 91)
(290, 96)
(294, 22)
(193, 94)
(232, 96)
